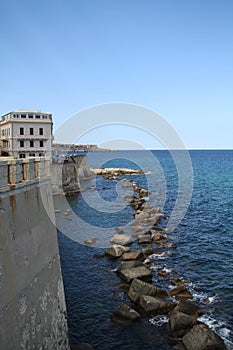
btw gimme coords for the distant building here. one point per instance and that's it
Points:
(26, 134)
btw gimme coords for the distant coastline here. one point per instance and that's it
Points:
(66, 147)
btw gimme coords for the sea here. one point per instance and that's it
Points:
(195, 190)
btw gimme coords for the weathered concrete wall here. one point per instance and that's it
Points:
(82, 166)
(66, 174)
(32, 304)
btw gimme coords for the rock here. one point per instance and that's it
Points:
(152, 220)
(99, 256)
(137, 203)
(201, 337)
(139, 288)
(67, 212)
(155, 211)
(143, 192)
(125, 312)
(146, 206)
(155, 306)
(179, 323)
(90, 241)
(121, 239)
(148, 251)
(184, 295)
(138, 233)
(137, 189)
(177, 281)
(140, 215)
(128, 265)
(133, 256)
(135, 224)
(116, 251)
(163, 273)
(125, 287)
(128, 197)
(146, 239)
(189, 308)
(140, 272)
(160, 238)
(119, 230)
(148, 264)
(180, 292)
(155, 219)
(172, 245)
(127, 184)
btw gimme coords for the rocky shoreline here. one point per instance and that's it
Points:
(112, 173)
(135, 274)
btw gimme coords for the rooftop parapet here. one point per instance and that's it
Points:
(16, 172)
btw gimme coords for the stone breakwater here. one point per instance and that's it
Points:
(112, 173)
(137, 265)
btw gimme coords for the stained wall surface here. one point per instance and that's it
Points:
(32, 303)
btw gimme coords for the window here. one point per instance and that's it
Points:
(30, 116)
(31, 154)
(41, 143)
(15, 116)
(22, 155)
(5, 144)
(23, 115)
(44, 116)
(37, 116)
(41, 131)
(41, 154)
(21, 131)
(31, 131)
(21, 143)
(31, 143)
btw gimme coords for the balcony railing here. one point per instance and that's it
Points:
(19, 171)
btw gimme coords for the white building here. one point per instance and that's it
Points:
(26, 134)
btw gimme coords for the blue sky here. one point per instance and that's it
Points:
(174, 57)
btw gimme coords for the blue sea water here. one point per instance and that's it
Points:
(204, 254)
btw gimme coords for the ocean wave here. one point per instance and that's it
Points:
(158, 320)
(201, 296)
(154, 257)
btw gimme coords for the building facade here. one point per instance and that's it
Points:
(26, 134)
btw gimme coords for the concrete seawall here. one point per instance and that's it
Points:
(67, 173)
(32, 307)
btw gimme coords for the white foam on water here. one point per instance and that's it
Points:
(158, 320)
(153, 257)
(202, 296)
(146, 261)
(165, 269)
(154, 268)
(218, 327)
(114, 270)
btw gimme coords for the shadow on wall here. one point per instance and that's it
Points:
(67, 171)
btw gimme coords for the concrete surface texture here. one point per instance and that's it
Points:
(32, 307)
(67, 173)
